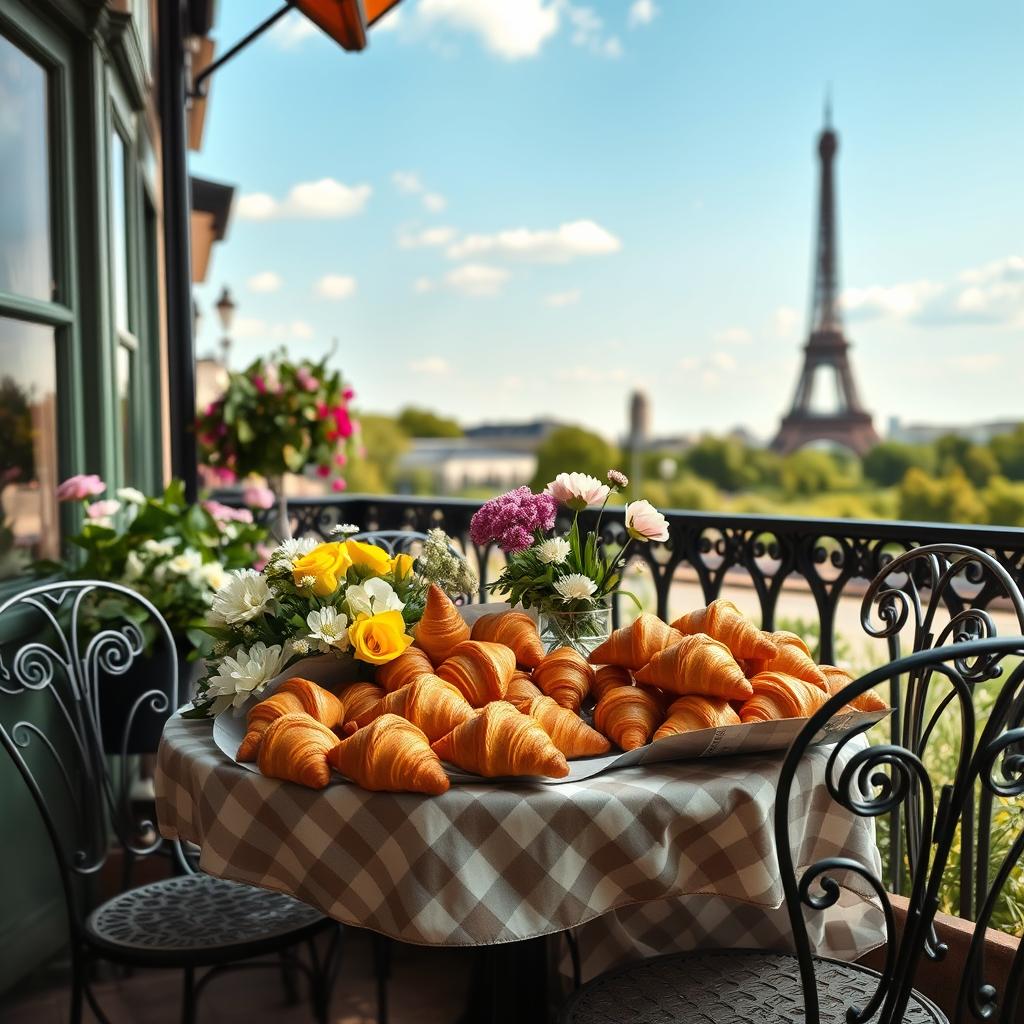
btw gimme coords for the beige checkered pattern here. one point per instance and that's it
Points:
(652, 858)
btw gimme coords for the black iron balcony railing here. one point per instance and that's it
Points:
(766, 553)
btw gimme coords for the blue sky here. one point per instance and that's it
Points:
(508, 209)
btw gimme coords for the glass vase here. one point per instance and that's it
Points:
(581, 630)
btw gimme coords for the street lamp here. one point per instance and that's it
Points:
(226, 307)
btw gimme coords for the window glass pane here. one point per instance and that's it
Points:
(28, 445)
(124, 409)
(25, 266)
(119, 230)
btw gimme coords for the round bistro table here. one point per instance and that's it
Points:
(637, 862)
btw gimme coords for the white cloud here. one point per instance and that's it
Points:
(558, 245)
(336, 286)
(267, 281)
(584, 373)
(642, 12)
(246, 327)
(898, 300)
(586, 30)
(785, 321)
(476, 279)
(432, 366)
(426, 238)
(292, 31)
(708, 369)
(566, 298)
(512, 31)
(392, 20)
(409, 183)
(724, 361)
(980, 362)
(422, 285)
(734, 336)
(324, 198)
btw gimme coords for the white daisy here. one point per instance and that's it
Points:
(244, 595)
(188, 563)
(160, 548)
(345, 529)
(575, 587)
(213, 575)
(246, 672)
(554, 550)
(131, 495)
(372, 597)
(134, 568)
(329, 627)
(294, 548)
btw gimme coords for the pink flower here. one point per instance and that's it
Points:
(342, 423)
(84, 485)
(348, 394)
(258, 496)
(225, 475)
(340, 459)
(323, 471)
(512, 519)
(645, 522)
(617, 479)
(263, 553)
(102, 509)
(577, 490)
(227, 514)
(259, 383)
(306, 379)
(339, 485)
(322, 411)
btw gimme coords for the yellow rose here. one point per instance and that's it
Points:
(379, 639)
(369, 556)
(327, 564)
(401, 566)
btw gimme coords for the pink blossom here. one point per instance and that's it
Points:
(225, 475)
(342, 422)
(339, 485)
(617, 478)
(258, 496)
(227, 514)
(348, 394)
(512, 519)
(210, 409)
(259, 383)
(83, 485)
(645, 522)
(322, 410)
(263, 553)
(577, 490)
(323, 471)
(306, 379)
(102, 509)
(340, 459)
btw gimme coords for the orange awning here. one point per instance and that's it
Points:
(345, 21)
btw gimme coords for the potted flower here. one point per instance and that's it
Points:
(277, 417)
(175, 554)
(568, 579)
(343, 600)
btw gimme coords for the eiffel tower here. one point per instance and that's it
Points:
(827, 352)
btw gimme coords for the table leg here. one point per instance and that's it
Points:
(509, 985)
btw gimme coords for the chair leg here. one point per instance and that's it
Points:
(382, 970)
(77, 988)
(188, 997)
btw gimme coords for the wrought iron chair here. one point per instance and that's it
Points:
(77, 636)
(749, 985)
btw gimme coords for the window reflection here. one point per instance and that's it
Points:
(119, 229)
(28, 445)
(25, 267)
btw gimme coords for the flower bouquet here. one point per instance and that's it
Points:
(342, 599)
(175, 554)
(568, 579)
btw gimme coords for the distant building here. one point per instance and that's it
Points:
(509, 437)
(457, 464)
(926, 433)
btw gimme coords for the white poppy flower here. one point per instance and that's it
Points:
(553, 550)
(575, 587)
(372, 597)
(246, 672)
(244, 595)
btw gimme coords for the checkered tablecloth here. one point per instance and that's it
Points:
(641, 860)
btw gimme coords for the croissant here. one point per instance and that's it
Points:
(479, 670)
(697, 664)
(521, 692)
(502, 741)
(837, 680)
(693, 712)
(295, 694)
(406, 668)
(359, 697)
(441, 628)
(567, 730)
(633, 646)
(628, 715)
(777, 695)
(725, 622)
(295, 748)
(564, 676)
(794, 659)
(608, 676)
(513, 629)
(429, 703)
(392, 755)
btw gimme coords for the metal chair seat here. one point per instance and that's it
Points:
(198, 920)
(728, 987)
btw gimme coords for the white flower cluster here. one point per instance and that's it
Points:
(244, 673)
(242, 597)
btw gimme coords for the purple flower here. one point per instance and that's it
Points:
(512, 519)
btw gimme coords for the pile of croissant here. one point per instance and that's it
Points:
(489, 700)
